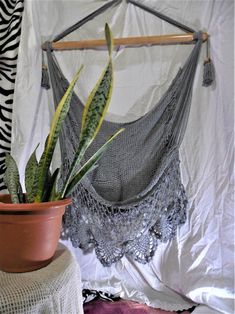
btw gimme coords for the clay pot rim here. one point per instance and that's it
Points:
(31, 206)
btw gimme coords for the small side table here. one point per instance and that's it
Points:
(55, 289)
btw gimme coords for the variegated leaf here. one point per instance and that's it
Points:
(21, 195)
(89, 165)
(54, 191)
(31, 176)
(11, 178)
(99, 98)
(50, 185)
(56, 125)
(94, 111)
(46, 186)
(109, 39)
(97, 105)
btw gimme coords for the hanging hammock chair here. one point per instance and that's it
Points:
(135, 197)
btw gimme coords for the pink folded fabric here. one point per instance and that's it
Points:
(122, 307)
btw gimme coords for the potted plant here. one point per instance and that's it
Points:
(30, 222)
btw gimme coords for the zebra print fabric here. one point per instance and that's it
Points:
(10, 29)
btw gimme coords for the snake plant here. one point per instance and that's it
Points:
(41, 185)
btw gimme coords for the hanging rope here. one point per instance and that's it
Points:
(45, 76)
(86, 19)
(209, 70)
(163, 17)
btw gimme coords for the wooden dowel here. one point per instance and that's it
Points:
(127, 42)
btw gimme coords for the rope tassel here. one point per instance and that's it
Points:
(209, 70)
(208, 73)
(45, 76)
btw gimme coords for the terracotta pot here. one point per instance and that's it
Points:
(29, 233)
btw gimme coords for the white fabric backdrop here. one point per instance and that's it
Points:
(199, 262)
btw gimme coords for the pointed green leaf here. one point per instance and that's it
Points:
(21, 194)
(109, 39)
(31, 176)
(94, 111)
(97, 105)
(11, 178)
(89, 165)
(54, 190)
(56, 125)
(99, 99)
(46, 186)
(50, 184)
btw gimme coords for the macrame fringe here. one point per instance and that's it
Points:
(45, 77)
(209, 70)
(208, 73)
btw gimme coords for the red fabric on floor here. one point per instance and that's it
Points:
(122, 307)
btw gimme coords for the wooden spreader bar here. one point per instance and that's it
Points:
(186, 38)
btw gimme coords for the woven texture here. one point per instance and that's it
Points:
(135, 197)
(52, 289)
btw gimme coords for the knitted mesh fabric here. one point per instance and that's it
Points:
(52, 289)
(135, 197)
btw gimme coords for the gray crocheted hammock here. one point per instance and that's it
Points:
(135, 197)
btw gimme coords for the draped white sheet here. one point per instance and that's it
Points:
(199, 262)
